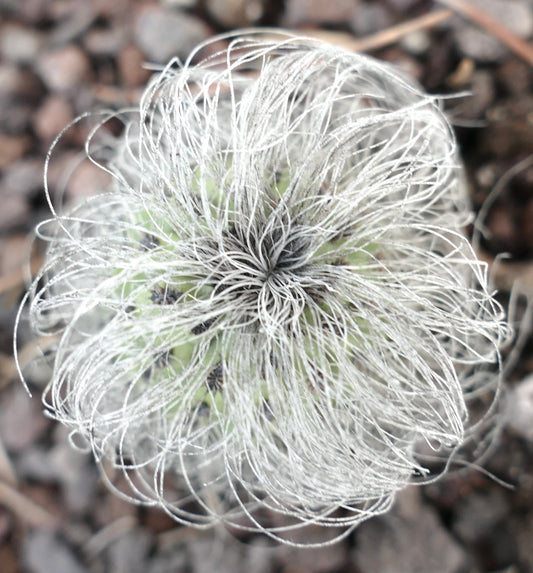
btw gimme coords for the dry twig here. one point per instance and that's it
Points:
(518, 46)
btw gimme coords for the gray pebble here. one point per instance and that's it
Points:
(519, 411)
(130, 552)
(20, 44)
(43, 552)
(410, 538)
(163, 34)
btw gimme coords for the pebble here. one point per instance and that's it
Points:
(182, 4)
(15, 118)
(519, 410)
(78, 17)
(515, 77)
(20, 44)
(87, 180)
(416, 43)
(17, 82)
(369, 18)
(22, 421)
(401, 6)
(478, 514)
(516, 15)
(235, 13)
(208, 553)
(105, 42)
(43, 552)
(130, 61)
(6, 523)
(14, 253)
(23, 178)
(409, 538)
(163, 34)
(480, 97)
(75, 472)
(53, 115)
(326, 559)
(129, 553)
(301, 12)
(12, 148)
(175, 558)
(64, 69)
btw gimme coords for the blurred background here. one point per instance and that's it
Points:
(62, 58)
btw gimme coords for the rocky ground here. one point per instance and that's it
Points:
(61, 58)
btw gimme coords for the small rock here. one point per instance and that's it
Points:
(75, 472)
(369, 18)
(14, 213)
(519, 410)
(300, 12)
(87, 179)
(516, 15)
(6, 523)
(78, 17)
(173, 558)
(416, 43)
(53, 115)
(44, 552)
(188, 4)
(480, 98)
(409, 538)
(64, 69)
(129, 553)
(20, 44)
(12, 148)
(105, 42)
(515, 77)
(235, 13)
(502, 229)
(15, 118)
(130, 67)
(8, 558)
(401, 6)
(23, 178)
(163, 34)
(17, 82)
(21, 419)
(478, 514)
(14, 253)
(510, 128)
(208, 554)
(324, 559)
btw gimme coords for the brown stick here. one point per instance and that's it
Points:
(25, 508)
(385, 37)
(520, 47)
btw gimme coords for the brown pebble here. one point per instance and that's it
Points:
(300, 12)
(235, 13)
(515, 77)
(14, 253)
(17, 82)
(130, 67)
(12, 148)
(501, 226)
(64, 69)
(53, 115)
(87, 180)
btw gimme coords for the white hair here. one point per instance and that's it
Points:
(276, 304)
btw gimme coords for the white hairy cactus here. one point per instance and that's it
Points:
(275, 305)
